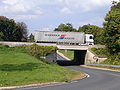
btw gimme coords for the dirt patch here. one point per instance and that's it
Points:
(79, 76)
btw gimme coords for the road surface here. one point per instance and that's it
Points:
(98, 80)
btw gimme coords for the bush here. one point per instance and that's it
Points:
(112, 60)
(40, 51)
(100, 51)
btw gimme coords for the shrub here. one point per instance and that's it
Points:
(112, 60)
(40, 51)
(100, 51)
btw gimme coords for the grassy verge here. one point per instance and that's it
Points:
(111, 59)
(100, 51)
(68, 53)
(19, 68)
(105, 67)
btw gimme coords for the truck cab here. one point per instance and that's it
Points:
(89, 39)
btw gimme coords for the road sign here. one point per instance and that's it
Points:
(95, 57)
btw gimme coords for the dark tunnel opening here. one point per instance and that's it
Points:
(79, 59)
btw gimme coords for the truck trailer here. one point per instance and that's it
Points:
(69, 38)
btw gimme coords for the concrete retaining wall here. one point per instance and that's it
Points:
(91, 58)
(51, 58)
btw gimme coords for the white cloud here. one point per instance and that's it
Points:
(19, 8)
(66, 10)
(25, 5)
(34, 7)
(93, 21)
(10, 2)
(88, 5)
(15, 6)
(26, 17)
(45, 29)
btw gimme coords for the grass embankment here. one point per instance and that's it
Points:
(19, 68)
(111, 59)
(68, 53)
(99, 51)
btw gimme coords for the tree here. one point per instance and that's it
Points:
(31, 38)
(112, 29)
(12, 31)
(22, 29)
(7, 29)
(92, 29)
(65, 27)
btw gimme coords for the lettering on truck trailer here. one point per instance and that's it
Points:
(62, 36)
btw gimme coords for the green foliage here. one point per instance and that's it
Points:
(100, 51)
(68, 53)
(22, 28)
(112, 29)
(10, 31)
(40, 51)
(65, 27)
(92, 29)
(31, 38)
(112, 60)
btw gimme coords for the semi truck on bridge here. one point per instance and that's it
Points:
(69, 38)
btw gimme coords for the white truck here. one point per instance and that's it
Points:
(69, 38)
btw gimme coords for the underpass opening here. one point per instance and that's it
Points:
(76, 57)
(79, 57)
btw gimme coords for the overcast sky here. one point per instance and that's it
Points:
(48, 14)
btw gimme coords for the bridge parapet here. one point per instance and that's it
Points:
(69, 47)
(85, 47)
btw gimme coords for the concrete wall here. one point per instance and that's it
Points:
(51, 58)
(86, 57)
(89, 58)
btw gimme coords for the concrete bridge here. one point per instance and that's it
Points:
(82, 54)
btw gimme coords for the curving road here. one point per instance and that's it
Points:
(98, 80)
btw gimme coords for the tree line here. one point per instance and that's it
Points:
(12, 31)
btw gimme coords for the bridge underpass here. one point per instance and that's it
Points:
(81, 53)
(79, 58)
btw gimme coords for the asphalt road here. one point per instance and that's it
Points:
(98, 80)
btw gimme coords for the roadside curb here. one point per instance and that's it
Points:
(100, 68)
(30, 85)
(85, 76)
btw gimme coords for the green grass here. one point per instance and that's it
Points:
(19, 68)
(100, 51)
(111, 59)
(68, 53)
